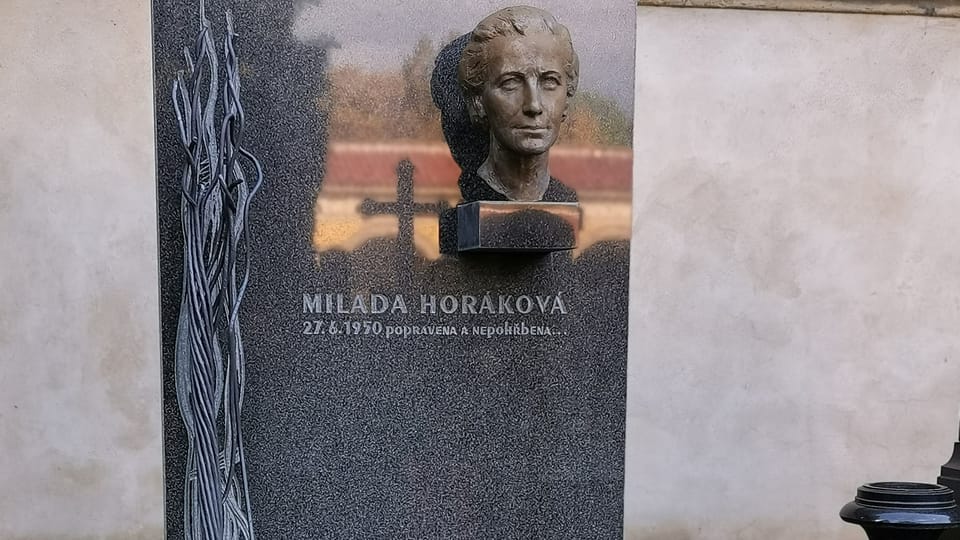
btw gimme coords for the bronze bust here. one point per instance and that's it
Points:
(517, 73)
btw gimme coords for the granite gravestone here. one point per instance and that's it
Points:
(394, 391)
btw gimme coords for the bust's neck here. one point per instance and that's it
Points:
(517, 177)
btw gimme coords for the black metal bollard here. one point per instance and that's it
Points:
(950, 477)
(903, 511)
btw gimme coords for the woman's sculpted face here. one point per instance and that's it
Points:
(517, 73)
(524, 99)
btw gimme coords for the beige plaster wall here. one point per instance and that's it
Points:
(80, 436)
(795, 292)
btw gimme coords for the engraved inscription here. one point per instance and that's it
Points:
(431, 304)
(334, 305)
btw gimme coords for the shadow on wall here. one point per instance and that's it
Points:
(662, 532)
(751, 531)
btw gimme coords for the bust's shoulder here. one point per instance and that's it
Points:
(473, 188)
(557, 191)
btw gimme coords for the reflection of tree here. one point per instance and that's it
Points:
(374, 106)
(595, 120)
(415, 71)
(386, 106)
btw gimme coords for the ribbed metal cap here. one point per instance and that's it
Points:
(881, 507)
(905, 495)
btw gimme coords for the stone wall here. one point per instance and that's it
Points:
(80, 436)
(794, 316)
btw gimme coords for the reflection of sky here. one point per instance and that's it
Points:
(377, 35)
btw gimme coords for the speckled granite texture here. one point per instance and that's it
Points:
(492, 433)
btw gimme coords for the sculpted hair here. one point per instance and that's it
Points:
(512, 21)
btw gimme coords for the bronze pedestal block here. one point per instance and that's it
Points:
(509, 226)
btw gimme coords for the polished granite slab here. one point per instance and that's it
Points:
(394, 391)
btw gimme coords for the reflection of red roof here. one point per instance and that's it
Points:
(355, 165)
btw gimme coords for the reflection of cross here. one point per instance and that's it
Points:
(405, 209)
